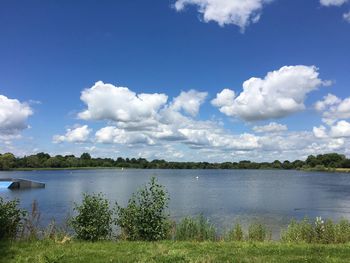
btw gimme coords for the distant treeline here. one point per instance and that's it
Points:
(43, 160)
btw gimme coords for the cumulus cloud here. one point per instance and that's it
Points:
(189, 102)
(332, 2)
(79, 134)
(224, 12)
(334, 112)
(13, 116)
(272, 127)
(173, 131)
(108, 102)
(112, 134)
(340, 129)
(279, 94)
(224, 99)
(333, 108)
(327, 101)
(320, 132)
(174, 123)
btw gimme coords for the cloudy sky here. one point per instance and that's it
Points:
(202, 80)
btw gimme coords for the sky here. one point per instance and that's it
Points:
(180, 80)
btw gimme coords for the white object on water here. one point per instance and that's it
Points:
(197, 177)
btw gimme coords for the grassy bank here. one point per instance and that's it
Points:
(323, 169)
(168, 251)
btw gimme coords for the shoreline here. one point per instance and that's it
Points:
(330, 170)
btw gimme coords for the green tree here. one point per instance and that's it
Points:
(145, 217)
(7, 161)
(94, 219)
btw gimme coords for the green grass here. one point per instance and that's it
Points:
(325, 169)
(168, 251)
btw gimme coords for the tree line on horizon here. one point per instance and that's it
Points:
(9, 161)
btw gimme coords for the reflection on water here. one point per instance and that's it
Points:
(272, 197)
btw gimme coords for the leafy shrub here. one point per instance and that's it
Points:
(257, 232)
(195, 229)
(235, 234)
(11, 218)
(342, 231)
(94, 220)
(326, 232)
(299, 232)
(145, 217)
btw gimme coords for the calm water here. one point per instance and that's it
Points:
(272, 197)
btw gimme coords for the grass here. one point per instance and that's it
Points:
(342, 170)
(170, 251)
(325, 169)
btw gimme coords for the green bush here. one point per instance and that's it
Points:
(11, 219)
(258, 232)
(325, 232)
(297, 232)
(328, 233)
(342, 231)
(235, 234)
(195, 229)
(145, 216)
(94, 219)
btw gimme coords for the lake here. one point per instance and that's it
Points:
(272, 197)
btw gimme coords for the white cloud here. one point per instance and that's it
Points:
(224, 12)
(320, 132)
(328, 100)
(189, 102)
(346, 16)
(203, 138)
(13, 116)
(332, 2)
(272, 127)
(224, 99)
(174, 132)
(340, 129)
(79, 134)
(108, 102)
(280, 93)
(333, 108)
(112, 134)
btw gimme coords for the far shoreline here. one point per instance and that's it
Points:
(330, 170)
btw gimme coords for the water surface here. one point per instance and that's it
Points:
(272, 197)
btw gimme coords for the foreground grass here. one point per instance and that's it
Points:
(168, 251)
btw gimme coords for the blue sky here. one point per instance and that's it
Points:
(53, 52)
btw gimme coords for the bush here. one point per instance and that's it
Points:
(195, 229)
(297, 232)
(235, 234)
(94, 220)
(11, 219)
(325, 232)
(145, 217)
(257, 232)
(342, 231)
